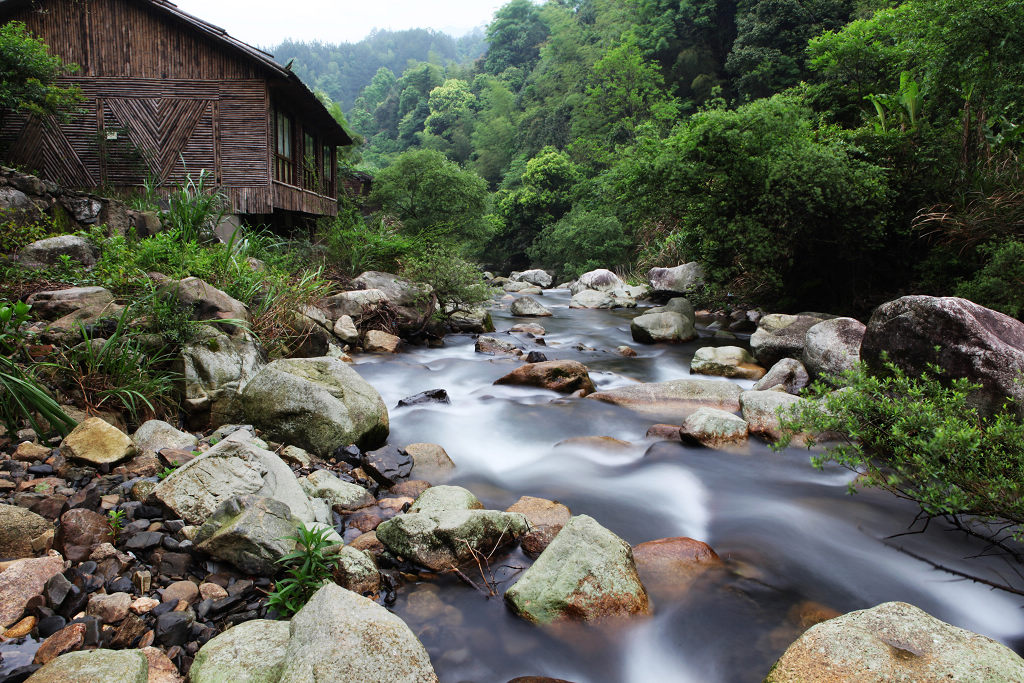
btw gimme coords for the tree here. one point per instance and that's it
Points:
(432, 195)
(580, 242)
(514, 37)
(29, 73)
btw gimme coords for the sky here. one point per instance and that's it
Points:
(268, 22)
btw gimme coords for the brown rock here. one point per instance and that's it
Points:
(18, 527)
(161, 669)
(369, 543)
(51, 508)
(79, 532)
(367, 519)
(69, 638)
(669, 566)
(411, 488)
(23, 580)
(97, 442)
(565, 376)
(376, 341)
(211, 591)
(130, 630)
(663, 432)
(429, 461)
(31, 452)
(181, 590)
(528, 328)
(110, 608)
(143, 605)
(147, 465)
(546, 517)
(21, 629)
(626, 351)
(393, 505)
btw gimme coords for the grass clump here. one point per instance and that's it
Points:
(307, 568)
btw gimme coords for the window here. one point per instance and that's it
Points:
(284, 155)
(309, 165)
(328, 161)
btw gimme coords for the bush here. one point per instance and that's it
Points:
(580, 242)
(196, 208)
(16, 231)
(999, 284)
(356, 245)
(458, 284)
(921, 439)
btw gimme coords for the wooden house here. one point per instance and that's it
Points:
(167, 94)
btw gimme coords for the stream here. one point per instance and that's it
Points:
(792, 538)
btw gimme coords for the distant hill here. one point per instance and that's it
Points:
(343, 70)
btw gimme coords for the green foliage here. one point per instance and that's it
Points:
(22, 397)
(920, 438)
(196, 208)
(116, 519)
(307, 568)
(580, 242)
(458, 284)
(18, 230)
(514, 37)
(999, 283)
(355, 244)
(168, 471)
(29, 74)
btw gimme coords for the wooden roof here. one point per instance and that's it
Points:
(299, 95)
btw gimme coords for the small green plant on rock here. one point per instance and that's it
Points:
(168, 471)
(307, 568)
(115, 518)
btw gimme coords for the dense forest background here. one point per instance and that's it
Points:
(819, 154)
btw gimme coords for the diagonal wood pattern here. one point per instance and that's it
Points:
(160, 128)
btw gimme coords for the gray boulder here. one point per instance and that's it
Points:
(536, 277)
(593, 298)
(51, 305)
(342, 637)
(232, 468)
(47, 252)
(154, 435)
(493, 346)
(668, 326)
(250, 652)
(345, 329)
(833, 346)
(18, 528)
(787, 375)
(679, 280)
(713, 428)
(586, 573)
(214, 370)
(674, 400)
(726, 361)
(677, 304)
(781, 336)
(963, 338)
(357, 571)
(894, 641)
(341, 494)
(600, 280)
(511, 286)
(317, 404)
(527, 306)
(354, 304)
(475, 321)
(96, 666)
(250, 532)
(413, 302)
(203, 301)
(761, 411)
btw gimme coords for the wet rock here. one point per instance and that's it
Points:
(446, 498)
(425, 397)
(69, 638)
(565, 376)
(519, 287)
(528, 307)
(110, 608)
(528, 328)
(316, 404)
(713, 428)
(600, 280)
(47, 252)
(788, 374)
(669, 566)
(18, 528)
(833, 346)
(546, 518)
(591, 298)
(674, 399)
(22, 581)
(475, 321)
(250, 652)
(215, 368)
(429, 461)
(625, 351)
(338, 494)
(894, 641)
(356, 570)
(231, 468)
(781, 336)
(79, 532)
(96, 442)
(293, 455)
(679, 280)
(342, 636)
(535, 277)
(760, 410)
(354, 304)
(387, 465)
(587, 573)
(978, 343)
(249, 532)
(652, 328)
(663, 432)
(602, 443)
(726, 361)
(202, 300)
(376, 341)
(493, 346)
(368, 542)
(155, 435)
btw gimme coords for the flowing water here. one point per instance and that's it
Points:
(792, 538)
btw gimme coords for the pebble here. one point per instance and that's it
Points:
(144, 605)
(185, 591)
(211, 591)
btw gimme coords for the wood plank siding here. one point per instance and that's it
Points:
(166, 95)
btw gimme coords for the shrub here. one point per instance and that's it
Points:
(921, 439)
(580, 242)
(196, 208)
(458, 284)
(306, 569)
(16, 231)
(356, 245)
(999, 284)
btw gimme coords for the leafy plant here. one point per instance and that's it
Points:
(196, 208)
(307, 568)
(168, 471)
(29, 84)
(457, 284)
(356, 245)
(115, 518)
(16, 230)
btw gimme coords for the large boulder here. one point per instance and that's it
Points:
(153, 436)
(317, 404)
(593, 298)
(98, 666)
(781, 336)
(965, 339)
(55, 304)
(413, 302)
(675, 399)
(787, 375)
(475, 321)
(761, 411)
(442, 530)
(342, 637)
(537, 277)
(250, 652)
(566, 376)
(354, 304)
(430, 461)
(234, 467)
(679, 280)
(726, 361)
(202, 300)
(96, 442)
(214, 368)
(528, 307)
(600, 280)
(18, 528)
(665, 326)
(250, 532)
(47, 252)
(894, 641)
(833, 346)
(713, 428)
(587, 573)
